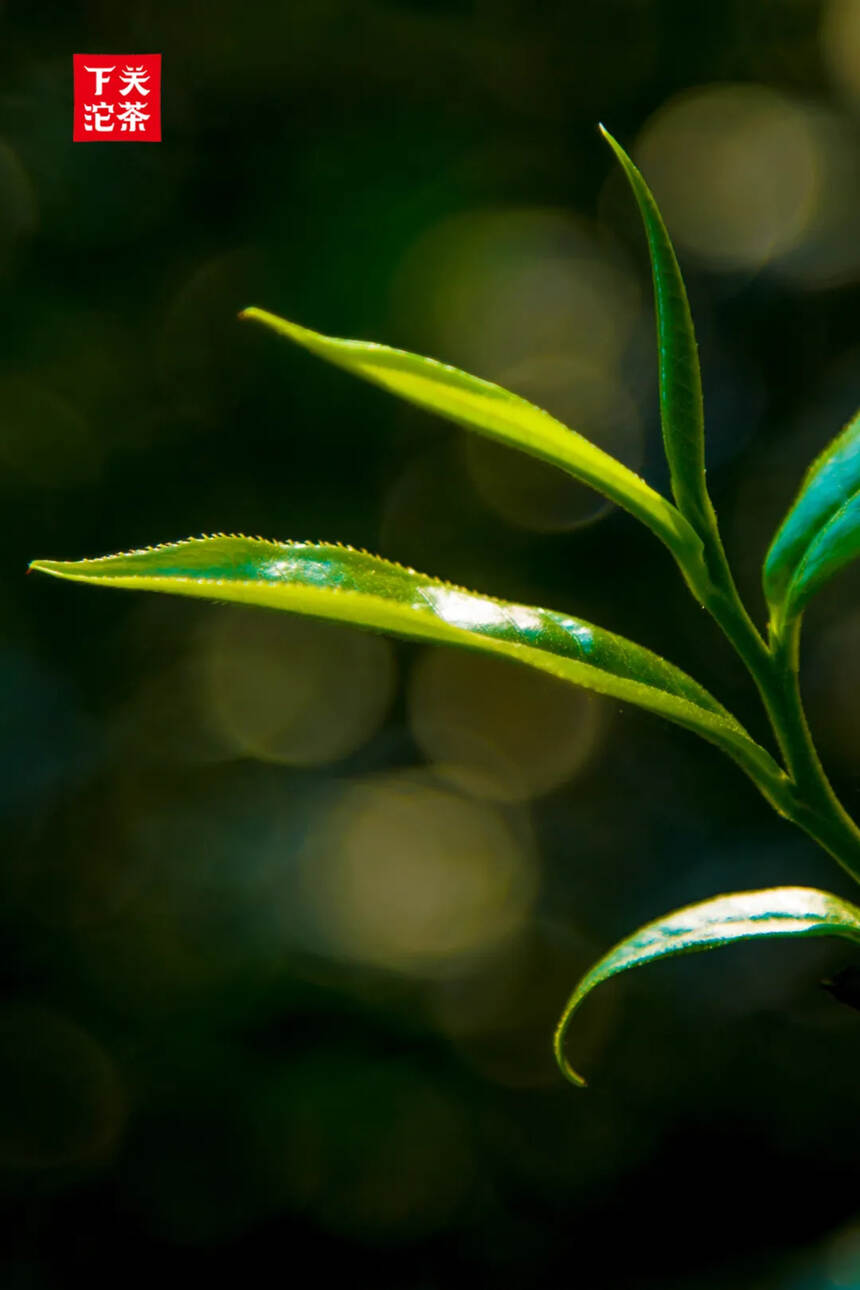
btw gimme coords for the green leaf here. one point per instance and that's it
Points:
(328, 581)
(497, 414)
(742, 916)
(821, 532)
(681, 409)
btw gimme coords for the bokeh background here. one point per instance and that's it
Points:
(288, 912)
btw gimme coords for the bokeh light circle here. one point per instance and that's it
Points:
(497, 730)
(293, 690)
(735, 170)
(496, 287)
(405, 874)
(840, 45)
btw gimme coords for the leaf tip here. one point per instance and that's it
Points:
(571, 1075)
(283, 326)
(615, 146)
(54, 568)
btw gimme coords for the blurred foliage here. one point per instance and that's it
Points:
(209, 1059)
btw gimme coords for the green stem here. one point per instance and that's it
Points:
(808, 800)
(818, 809)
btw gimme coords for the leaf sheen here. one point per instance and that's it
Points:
(821, 532)
(497, 414)
(740, 916)
(330, 581)
(681, 407)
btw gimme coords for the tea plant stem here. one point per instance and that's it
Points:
(807, 798)
(818, 809)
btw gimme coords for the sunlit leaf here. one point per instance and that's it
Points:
(498, 414)
(680, 379)
(821, 532)
(353, 587)
(741, 916)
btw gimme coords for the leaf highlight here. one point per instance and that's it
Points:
(336, 582)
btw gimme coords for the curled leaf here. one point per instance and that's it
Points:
(821, 532)
(741, 916)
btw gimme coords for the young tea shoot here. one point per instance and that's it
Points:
(818, 537)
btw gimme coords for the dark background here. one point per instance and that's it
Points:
(288, 913)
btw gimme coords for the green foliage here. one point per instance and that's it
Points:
(820, 535)
(352, 586)
(821, 532)
(741, 916)
(681, 410)
(497, 414)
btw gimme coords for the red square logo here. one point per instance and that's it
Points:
(117, 97)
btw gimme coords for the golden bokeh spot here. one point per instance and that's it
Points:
(407, 875)
(293, 690)
(500, 731)
(497, 287)
(735, 170)
(840, 45)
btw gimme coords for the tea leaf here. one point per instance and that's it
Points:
(681, 410)
(328, 581)
(821, 532)
(742, 916)
(496, 413)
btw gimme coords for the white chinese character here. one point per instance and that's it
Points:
(133, 79)
(132, 117)
(97, 116)
(102, 74)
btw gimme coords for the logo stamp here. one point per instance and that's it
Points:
(117, 98)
